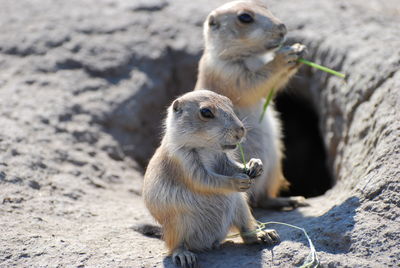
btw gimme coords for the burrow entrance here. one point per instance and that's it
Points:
(137, 122)
(305, 164)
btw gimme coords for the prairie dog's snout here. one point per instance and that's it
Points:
(235, 130)
(234, 134)
(240, 132)
(282, 30)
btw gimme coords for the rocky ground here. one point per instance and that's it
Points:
(82, 88)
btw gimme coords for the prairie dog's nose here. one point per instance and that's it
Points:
(282, 29)
(240, 133)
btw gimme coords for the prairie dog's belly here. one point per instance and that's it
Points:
(262, 137)
(210, 218)
(262, 140)
(219, 210)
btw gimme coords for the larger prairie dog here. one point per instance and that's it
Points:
(243, 60)
(192, 185)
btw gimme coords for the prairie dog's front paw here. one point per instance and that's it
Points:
(254, 168)
(241, 182)
(291, 54)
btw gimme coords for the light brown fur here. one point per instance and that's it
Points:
(245, 61)
(192, 185)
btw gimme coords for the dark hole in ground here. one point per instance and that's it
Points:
(305, 163)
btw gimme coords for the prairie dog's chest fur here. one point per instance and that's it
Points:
(224, 202)
(211, 160)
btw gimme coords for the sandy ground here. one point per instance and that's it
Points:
(77, 82)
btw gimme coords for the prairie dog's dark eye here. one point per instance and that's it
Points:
(206, 113)
(245, 18)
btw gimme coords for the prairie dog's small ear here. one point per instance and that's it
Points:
(176, 106)
(212, 22)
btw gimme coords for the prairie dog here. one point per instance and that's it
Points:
(243, 60)
(192, 185)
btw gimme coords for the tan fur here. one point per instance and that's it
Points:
(245, 61)
(192, 185)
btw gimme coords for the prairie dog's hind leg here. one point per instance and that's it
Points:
(247, 226)
(266, 188)
(268, 237)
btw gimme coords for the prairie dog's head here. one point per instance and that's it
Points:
(242, 28)
(203, 119)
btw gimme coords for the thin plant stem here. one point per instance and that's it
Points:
(242, 155)
(322, 68)
(267, 101)
(310, 262)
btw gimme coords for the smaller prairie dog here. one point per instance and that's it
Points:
(192, 185)
(244, 60)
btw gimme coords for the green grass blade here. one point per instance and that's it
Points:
(312, 64)
(242, 155)
(322, 68)
(267, 101)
